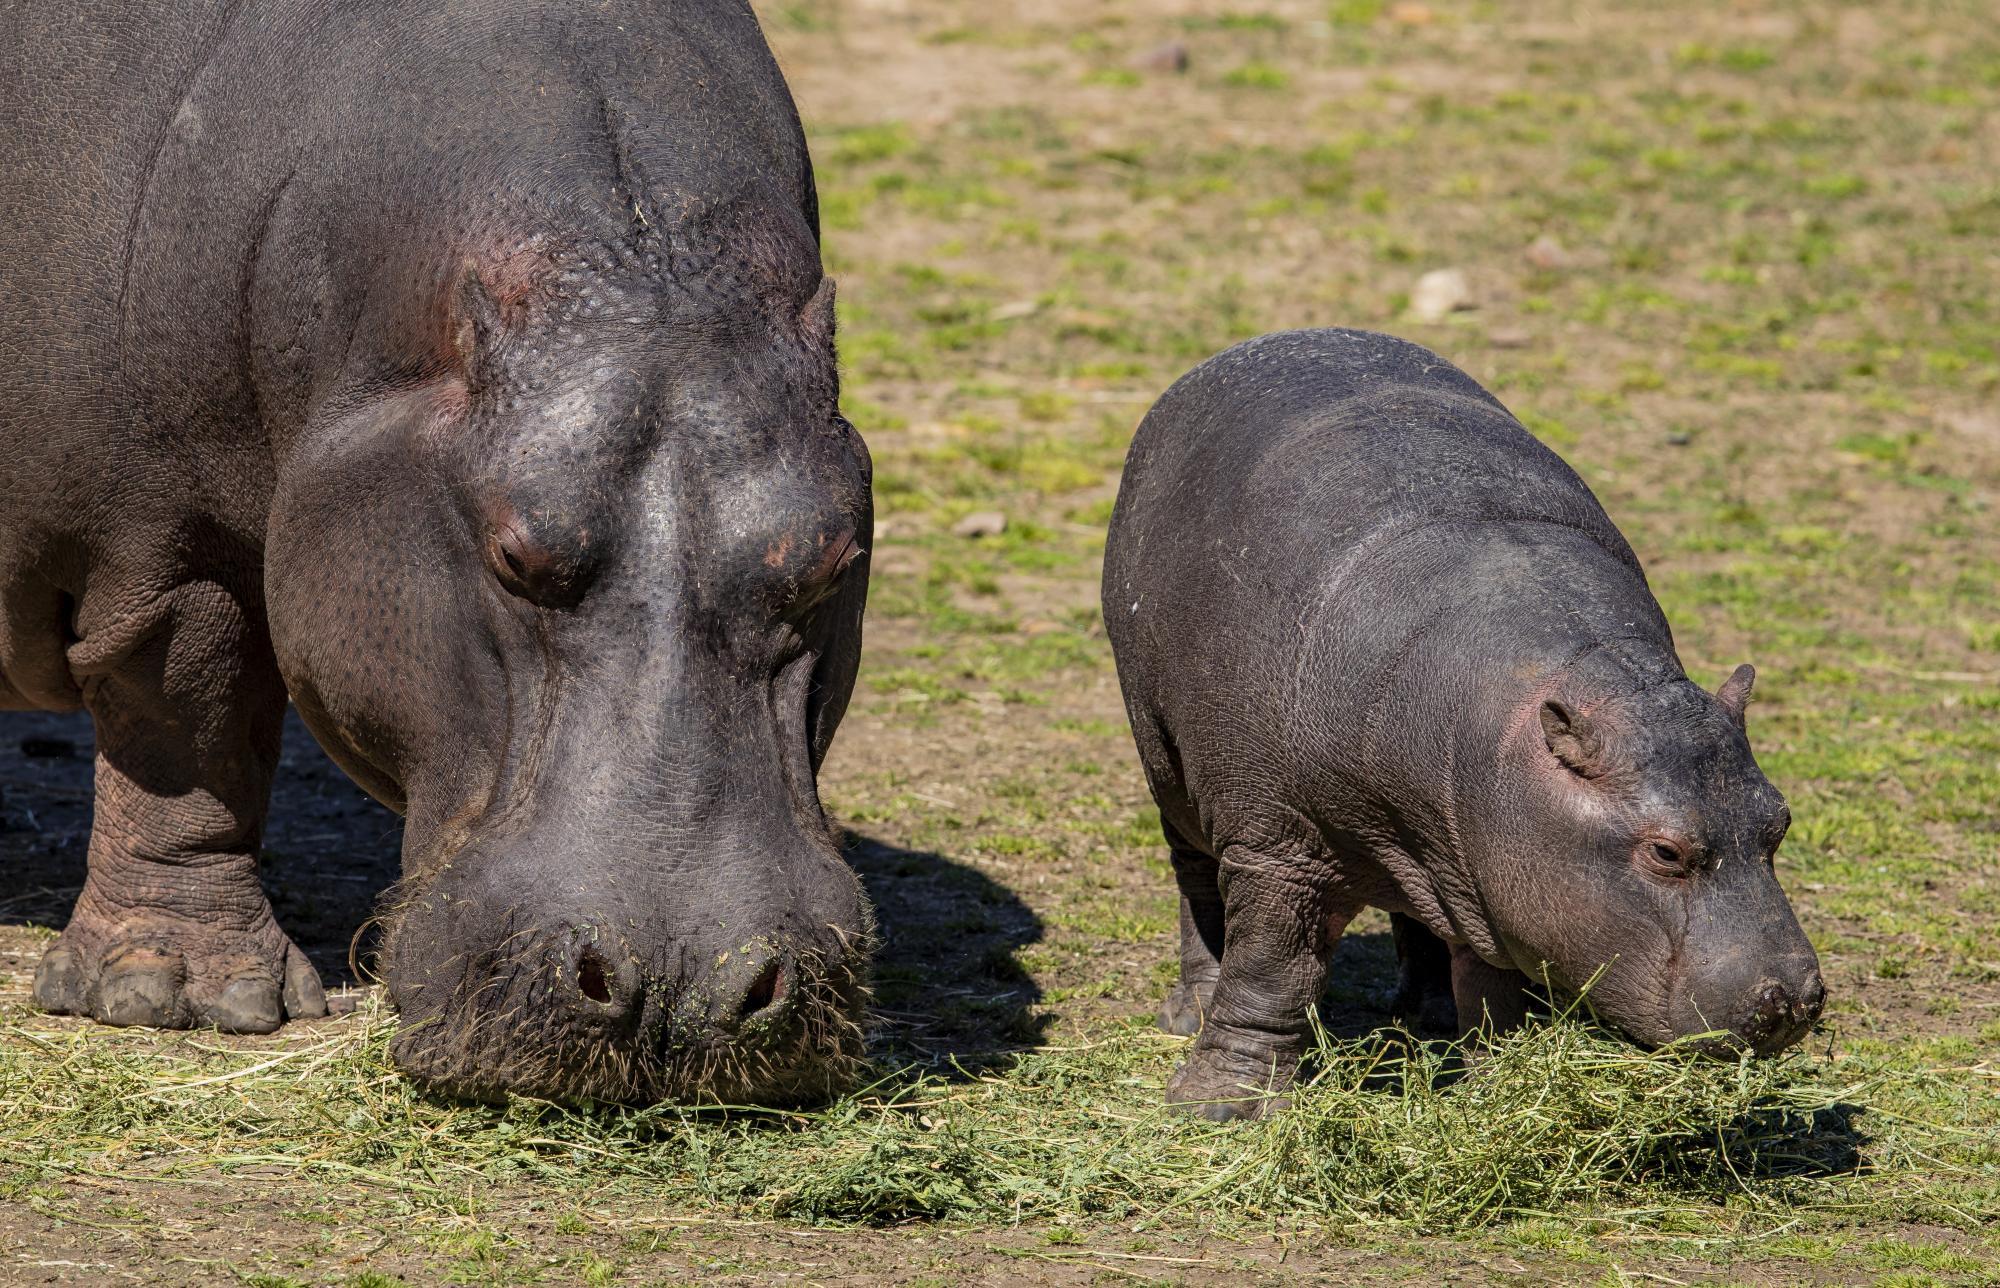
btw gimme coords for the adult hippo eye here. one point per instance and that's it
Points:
(528, 569)
(819, 585)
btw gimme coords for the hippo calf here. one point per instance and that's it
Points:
(1380, 647)
(466, 371)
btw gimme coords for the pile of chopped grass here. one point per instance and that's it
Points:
(1560, 1117)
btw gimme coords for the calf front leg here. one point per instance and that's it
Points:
(1487, 997)
(1280, 927)
(172, 929)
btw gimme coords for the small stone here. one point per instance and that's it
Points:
(1408, 13)
(1509, 338)
(1170, 57)
(1439, 293)
(1018, 309)
(980, 523)
(1548, 254)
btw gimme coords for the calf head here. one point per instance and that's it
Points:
(1631, 843)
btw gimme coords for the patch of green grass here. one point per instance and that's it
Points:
(1257, 75)
(1555, 1117)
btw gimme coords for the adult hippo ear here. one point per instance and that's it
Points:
(1573, 739)
(1734, 695)
(488, 302)
(836, 589)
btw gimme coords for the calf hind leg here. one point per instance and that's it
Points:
(1201, 938)
(1424, 998)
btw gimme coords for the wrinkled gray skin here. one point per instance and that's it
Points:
(467, 370)
(1380, 647)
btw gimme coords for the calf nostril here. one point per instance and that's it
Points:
(590, 977)
(764, 989)
(1814, 997)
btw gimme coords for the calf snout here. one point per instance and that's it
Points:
(1773, 1012)
(1783, 1013)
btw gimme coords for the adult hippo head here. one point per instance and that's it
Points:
(587, 603)
(570, 566)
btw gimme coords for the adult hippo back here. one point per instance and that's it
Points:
(466, 370)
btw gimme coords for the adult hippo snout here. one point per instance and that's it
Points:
(561, 986)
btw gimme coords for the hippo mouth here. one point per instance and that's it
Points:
(549, 1023)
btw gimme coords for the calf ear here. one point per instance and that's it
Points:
(1572, 739)
(1734, 695)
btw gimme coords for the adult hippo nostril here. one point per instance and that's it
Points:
(765, 992)
(1814, 998)
(591, 979)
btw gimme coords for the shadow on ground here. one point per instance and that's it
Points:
(949, 985)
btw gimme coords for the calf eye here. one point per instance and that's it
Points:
(1666, 858)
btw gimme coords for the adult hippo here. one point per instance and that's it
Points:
(466, 370)
(1381, 647)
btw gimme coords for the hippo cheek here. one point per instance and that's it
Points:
(1625, 970)
(1616, 942)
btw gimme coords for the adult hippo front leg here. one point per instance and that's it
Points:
(172, 929)
(1281, 927)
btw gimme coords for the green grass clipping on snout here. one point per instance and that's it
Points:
(1559, 1117)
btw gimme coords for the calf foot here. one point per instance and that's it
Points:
(1186, 1007)
(1428, 1012)
(1225, 1085)
(167, 972)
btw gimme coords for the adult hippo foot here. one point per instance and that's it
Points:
(1227, 1086)
(166, 972)
(1186, 1006)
